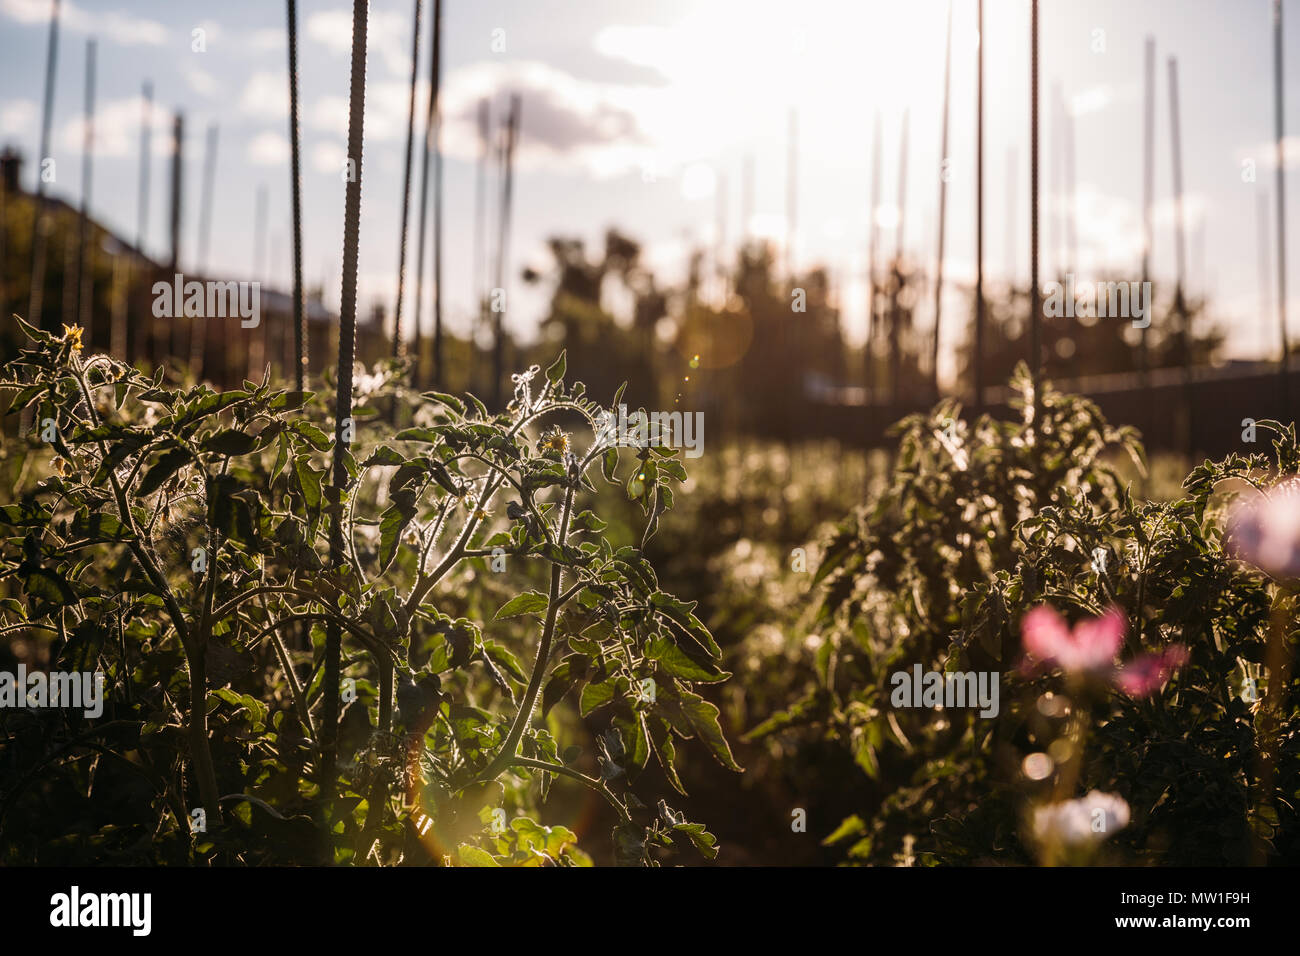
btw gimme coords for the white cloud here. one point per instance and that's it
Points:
(565, 121)
(268, 149)
(17, 118)
(388, 36)
(117, 130)
(387, 111)
(119, 27)
(327, 157)
(265, 96)
(128, 30)
(212, 30)
(330, 114)
(268, 39)
(200, 81)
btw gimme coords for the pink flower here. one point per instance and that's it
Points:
(1146, 674)
(1264, 529)
(1091, 647)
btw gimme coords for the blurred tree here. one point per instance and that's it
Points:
(602, 351)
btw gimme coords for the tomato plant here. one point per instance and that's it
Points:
(177, 540)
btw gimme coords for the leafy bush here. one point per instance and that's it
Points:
(983, 522)
(180, 540)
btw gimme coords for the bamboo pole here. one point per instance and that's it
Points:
(117, 321)
(479, 275)
(127, 339)
(943, 211)
(1035, 302)
(437, 195)
(503, 247)
(257, 334)
(146, 139)
(85, 278)
(205, 203)
(1279, 133)
(1180, 251)
(343, 398)
(171, 344)
(295, 189)
(978, 358)
(1055, 234)
(68, 305)
(40, 222)
(1148, 197)
(406, 187)
(895, 309)
(178, 140)
(198, 324)
(417, 345)
(873, 241)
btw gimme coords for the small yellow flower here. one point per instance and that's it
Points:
(554, 440)
(61, 467)
(72, 334)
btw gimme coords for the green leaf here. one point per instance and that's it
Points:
(473, 856)
(443, 477)
(24, 397)
(209, 404)
(703, 840)
(419, 434)
(556, 372)
(680, 614)
(636, 742)
(675, 662)
(596, 695)
(28, 514)
(505, 658)
(309, 479)
(609, 465)
(391, 525)
(231, 513)
(49, 586)
(230, 442)
(32, 332)
(288, 401)
(661, 739)
(315, 437)
(166, 466)
(849, 827)
(99, 526)
(384, 455)
(587, 521)
(703, 717)
(451, 401)
(530, 602)
(569, 671)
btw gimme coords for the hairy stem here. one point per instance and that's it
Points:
(510, 747)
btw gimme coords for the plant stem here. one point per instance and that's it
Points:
(343, 396)
(200, 751)
(510, 746)
(598, 785)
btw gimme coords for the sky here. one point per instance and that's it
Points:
(646, 116)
